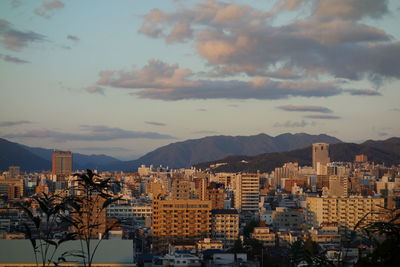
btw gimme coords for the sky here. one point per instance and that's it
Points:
(125, 77)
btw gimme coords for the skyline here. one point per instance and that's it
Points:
(167, 71)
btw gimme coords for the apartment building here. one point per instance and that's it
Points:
(345, 211)
(180, 221)
(225, 226)
(247, 192)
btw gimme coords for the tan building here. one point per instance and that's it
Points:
(247, 192)
(265, 236)
(338, 186)
(62, 163)
(225, 226)
(361, 158)
(320, 154)
(208, 243)
(288, 218)
(177, 221)
(216, 193)
(345, 211)
(14, 189)
(13, 172)
(180, 188)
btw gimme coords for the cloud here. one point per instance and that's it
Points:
(323, 117)
(101, 149)
(367, 92)
(305, 108)
(202, 132)
(156, 74)
(330, 41)
(47, 9)
(202, 109)
(15, 3)
(14, 39)
(155, 123)
(395, 109)
(382, 134)
(73, 38)
(12, 59)
(294, 124)
(159, 80)
(95, 90)
(13, 123)
(90, 133)
(351, 9)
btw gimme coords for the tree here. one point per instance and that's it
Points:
(40, 232)
(249, 228)
(308, 251)
(385, 236)
(88, 212)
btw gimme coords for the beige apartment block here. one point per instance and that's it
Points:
(345, 211)
(180, 221)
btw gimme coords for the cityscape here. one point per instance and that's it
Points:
(199, 133)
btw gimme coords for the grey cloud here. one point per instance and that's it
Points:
(13, 123)
(234, 89)
(294, 124)
(202, 109)
(367, 92)
(101, 149)
(15, 3)
(159, 80)
(344, 9)
(95, 90)
(47, 9)
(306, 108)
(352, 10)
(156, 74)
(155, 123)
(12, 59)
(91, 133)
(204, 132)
(382, 134)
(14, 39)
(239, 39)
(395, 109)
(73, 38)
(323, 117)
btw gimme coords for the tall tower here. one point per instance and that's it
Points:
(320, 153)
(62, 163)
(247, 192)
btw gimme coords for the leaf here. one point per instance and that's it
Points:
(68, 237)
(110, 201)
(51, 242)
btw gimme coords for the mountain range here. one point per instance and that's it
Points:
(175, 155)
(386, 151)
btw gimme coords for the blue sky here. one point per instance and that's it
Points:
(125, 77)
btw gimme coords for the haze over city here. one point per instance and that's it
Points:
(125, 77)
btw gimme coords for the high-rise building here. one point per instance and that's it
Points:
(345, 211)
(61, 163)
(180, 221)
(247, 192)
(216, 193)
(320, 154)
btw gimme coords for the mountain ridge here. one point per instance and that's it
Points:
(385, 151)
(185, 153)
